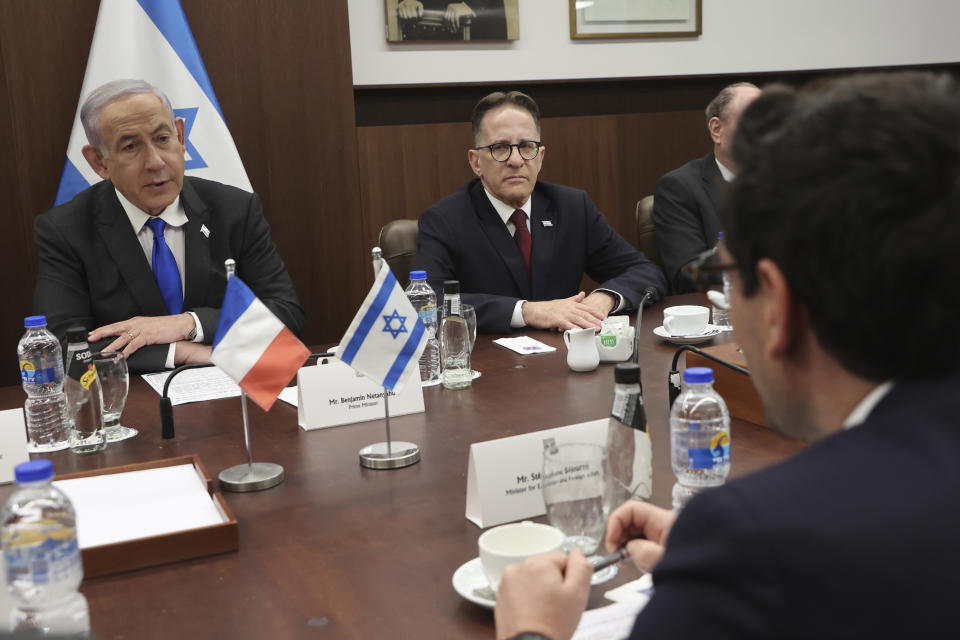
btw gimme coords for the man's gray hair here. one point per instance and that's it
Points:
(718, 106)
(107, 93)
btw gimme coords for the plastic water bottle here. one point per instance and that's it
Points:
(41, 372)
(628, 447)
(84, 395)
(424, 301)
(699, 436)
(454, 340)
(43, 562)
(721, 317)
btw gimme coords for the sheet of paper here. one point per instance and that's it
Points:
(524, 345)
(609, 623)
(125, 506)
(13, 442)
(195, 385)
(639, 589)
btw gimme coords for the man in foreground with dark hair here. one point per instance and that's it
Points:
(685, 200)
(849, 196)
(520, 247)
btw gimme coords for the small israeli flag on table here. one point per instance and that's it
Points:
(151, 40)
(386, 337)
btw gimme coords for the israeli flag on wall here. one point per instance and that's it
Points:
(386, 337)
(151, 40)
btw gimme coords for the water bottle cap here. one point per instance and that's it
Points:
(34, 321)
(76, 334)
(418, 275)
(698, 375)
(626, 373)
(34, 471)
(720, 235)
(451, 286)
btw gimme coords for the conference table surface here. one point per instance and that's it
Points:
(340, 551)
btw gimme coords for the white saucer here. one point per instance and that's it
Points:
(468, 577)
(709, 332)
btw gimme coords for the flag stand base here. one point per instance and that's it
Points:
(401, 454)
(251, 477)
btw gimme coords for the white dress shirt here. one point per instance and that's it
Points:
(173, 234)
(505, 211)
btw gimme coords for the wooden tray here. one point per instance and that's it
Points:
(162, 549)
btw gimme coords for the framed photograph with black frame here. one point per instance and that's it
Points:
(635, 18)
(448, 21)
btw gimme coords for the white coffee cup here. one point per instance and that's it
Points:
(513, 543)
(685, 320)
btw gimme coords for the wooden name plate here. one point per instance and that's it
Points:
(737, 389)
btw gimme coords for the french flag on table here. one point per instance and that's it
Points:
(253, 347)
(387, 337)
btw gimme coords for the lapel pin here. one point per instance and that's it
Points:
(205, 231)
(547, 223)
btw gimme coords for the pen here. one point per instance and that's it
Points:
(602, 562)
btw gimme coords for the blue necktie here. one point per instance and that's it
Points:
(165, 269)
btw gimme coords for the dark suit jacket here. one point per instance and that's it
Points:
(856, 537)
(92, 269)
(685, 216)
(462, 238)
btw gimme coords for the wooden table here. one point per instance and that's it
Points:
(339, 551)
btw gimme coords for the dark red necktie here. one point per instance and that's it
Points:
(522, 235)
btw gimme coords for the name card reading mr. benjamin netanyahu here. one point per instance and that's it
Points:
(333, 394)
(503, 476)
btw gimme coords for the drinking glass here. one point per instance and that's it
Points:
(114, 381)
(574, 485)
(470, 315)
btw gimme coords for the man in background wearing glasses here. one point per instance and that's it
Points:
(520, 247)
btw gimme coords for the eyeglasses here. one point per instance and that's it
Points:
(501, 151)
(704, 270)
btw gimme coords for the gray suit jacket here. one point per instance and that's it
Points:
(92, 270)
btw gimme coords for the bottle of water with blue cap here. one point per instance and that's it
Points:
(424, 301)
(41, 373)
(699, 436)
(43, 563)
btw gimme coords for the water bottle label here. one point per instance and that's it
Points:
(82, 369)
(628, 409)
(428, 316)
(53, 560)
(717, 455)
(30, 375)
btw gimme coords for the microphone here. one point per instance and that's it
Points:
(166, 407)
(649, 294)
(673, 379)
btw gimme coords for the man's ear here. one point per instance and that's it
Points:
(715, 125)
(783, 313)
(473, 159)
(95, 160)
(181, 129)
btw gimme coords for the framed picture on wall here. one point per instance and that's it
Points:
(635, 18)
(445, 21)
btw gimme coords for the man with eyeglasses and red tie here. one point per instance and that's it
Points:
(520, 247)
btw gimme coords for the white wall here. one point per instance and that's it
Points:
(739, 36)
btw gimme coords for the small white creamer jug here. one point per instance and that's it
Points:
(582, 354)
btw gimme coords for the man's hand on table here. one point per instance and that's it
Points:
(644, 528)
(545, 594)
(141, 331)
(566, 313)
